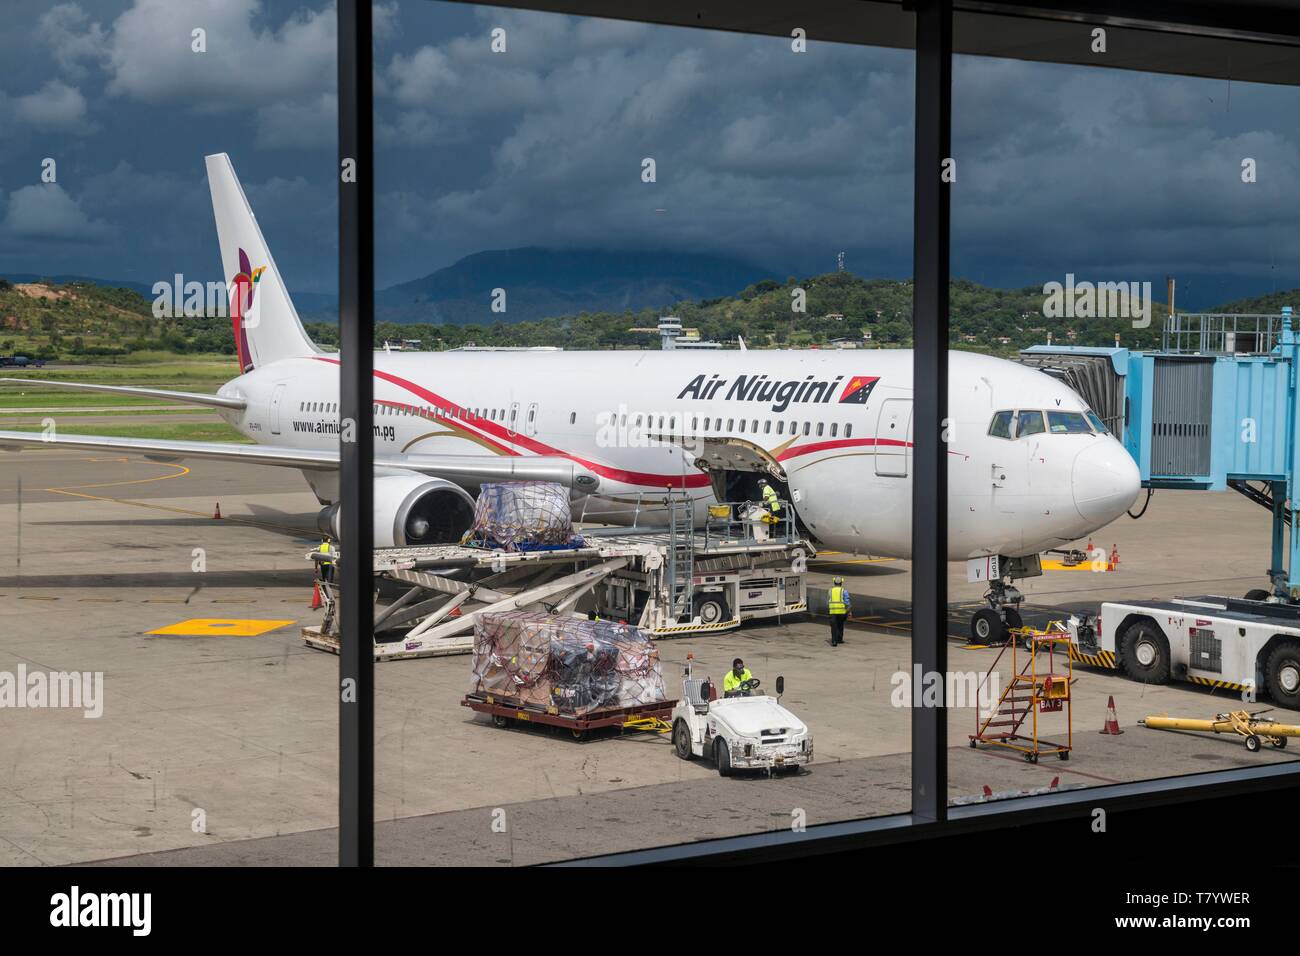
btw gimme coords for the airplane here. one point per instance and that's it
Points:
(1031, 467)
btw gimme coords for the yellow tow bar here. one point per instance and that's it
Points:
(654, 725)
(1254, 728)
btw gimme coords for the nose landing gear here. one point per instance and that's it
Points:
(992, 624)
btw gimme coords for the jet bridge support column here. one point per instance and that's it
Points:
(1284, 492)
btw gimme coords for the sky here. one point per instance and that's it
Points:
(777, 158)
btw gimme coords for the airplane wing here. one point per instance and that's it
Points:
(192, 398)
(468, 471)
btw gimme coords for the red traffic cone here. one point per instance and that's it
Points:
(1112, 719)
(1114, 556)
(1056, 782)
(988, 791)
(316, 601)
(217, 514)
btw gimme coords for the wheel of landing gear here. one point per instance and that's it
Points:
(986, 626)
(1252, 743)
(1014, 623)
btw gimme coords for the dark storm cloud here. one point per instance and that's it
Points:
(782, 159)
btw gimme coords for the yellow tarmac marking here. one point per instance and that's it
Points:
(212, 626)
(854, 561)
(1081, 566)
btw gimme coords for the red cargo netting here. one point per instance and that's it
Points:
(576, 666)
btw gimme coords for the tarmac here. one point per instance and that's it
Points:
(222, 749)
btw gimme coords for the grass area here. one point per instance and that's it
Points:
(199, 373)
(187, 431)
(15, 396)
(97, 411)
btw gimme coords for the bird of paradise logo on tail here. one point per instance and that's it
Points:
(241, 291)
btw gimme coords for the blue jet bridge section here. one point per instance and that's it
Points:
(1214, 409)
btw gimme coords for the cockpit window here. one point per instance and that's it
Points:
(1029, 423)
(1000, 427)
(1097, 423)
(1067, 423)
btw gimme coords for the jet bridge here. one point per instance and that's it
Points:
(661, 573)
(1216, 407)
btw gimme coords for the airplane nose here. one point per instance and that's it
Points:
(1106, 481)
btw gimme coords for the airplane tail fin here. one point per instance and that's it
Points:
(266, 325)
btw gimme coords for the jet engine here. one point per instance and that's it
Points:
(412, 510)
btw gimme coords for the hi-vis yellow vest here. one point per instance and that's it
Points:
(837, 605)
(770, 499)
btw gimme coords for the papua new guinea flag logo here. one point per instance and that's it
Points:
(242, 289)
(859, 389)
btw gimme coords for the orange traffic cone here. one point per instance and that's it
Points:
(1112, 719)
(1114, 556)
(217, 514)
(316, 601)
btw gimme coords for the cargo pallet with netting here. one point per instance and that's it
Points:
(660, 573)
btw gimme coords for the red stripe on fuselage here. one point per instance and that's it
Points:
(606, 471)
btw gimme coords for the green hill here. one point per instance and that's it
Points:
(80, 321)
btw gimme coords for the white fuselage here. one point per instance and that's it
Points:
(848, 462)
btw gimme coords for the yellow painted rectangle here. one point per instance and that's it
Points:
(219, 626)
(1081, 566)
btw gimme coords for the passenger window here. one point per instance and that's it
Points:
(1029, 423)
(834, 429)
(820, 426)
(754, 429)
(731, 422)
(717, 424)
(573, 418)
(742, 426)
(848, 431)
(807, 426)
(780, 427)
(1067, 423)
(1000, 427)
(767, 427)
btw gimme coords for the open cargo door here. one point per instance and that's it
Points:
(734, 466)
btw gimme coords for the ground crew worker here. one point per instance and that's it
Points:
(838, 606)
(770, 500)
(738, 674)
(326, 565)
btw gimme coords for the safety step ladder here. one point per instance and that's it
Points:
(680, 568)
(1036, 687)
